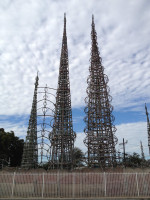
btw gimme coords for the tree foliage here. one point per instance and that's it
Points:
(134, 160)
(78, 157)
(11, 148)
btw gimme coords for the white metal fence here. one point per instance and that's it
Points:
(74, 185)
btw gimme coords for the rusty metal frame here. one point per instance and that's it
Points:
(30, 151)
(100, 139)
(45, 115)
(62, 136)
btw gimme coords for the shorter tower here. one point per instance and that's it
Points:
(30, 151)
(62, 136)
(148, 127)
(100, 139)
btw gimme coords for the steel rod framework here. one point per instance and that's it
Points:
(100, 139)
(62, 136)
(30, 152)
(45, 115)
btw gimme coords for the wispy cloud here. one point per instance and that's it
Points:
(133, 133)
(19, 128)
(30, 40)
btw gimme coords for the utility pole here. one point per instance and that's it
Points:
(124, 152)
(119, 157)
(142, 153)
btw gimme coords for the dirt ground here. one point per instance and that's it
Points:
(87, 170)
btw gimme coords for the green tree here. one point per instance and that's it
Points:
(134, 160)
(78, 157)
(11, 148)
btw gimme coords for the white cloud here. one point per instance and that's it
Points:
(19, 128)
(79, 141)
(30, 40)
(133, 133)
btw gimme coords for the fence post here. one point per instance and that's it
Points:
(58, 185)
(137, 185)
(12, 194)
(43, 186)
(105, 183)
(73, 184)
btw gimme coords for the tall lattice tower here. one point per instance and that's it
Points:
(100, 139)
(62, 136)
(148, 127)
(30, 152)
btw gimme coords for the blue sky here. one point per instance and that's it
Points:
(30, 40)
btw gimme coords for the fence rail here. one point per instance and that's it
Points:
(74, 185)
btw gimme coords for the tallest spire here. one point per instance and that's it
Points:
(64, 34)
(62, 136)
(65, 22)
(64, 50)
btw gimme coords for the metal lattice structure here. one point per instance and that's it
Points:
(148, 127)
(45, 115)
(62, 136)
(100, 139)
(30, 151)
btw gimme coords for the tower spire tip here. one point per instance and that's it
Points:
(92, 18)
(64, 21)
(64, 17)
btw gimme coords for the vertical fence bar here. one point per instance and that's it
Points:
(12, 194)
(43, 186)
(73, 184)
(105, 183)
(58, 185)
(137, 185)
(83, 185)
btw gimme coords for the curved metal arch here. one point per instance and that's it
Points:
(44, 137)
(45, 113)
(47, 108)
(47, 93)
(45, 123)
(43, 145)
(46, 100)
